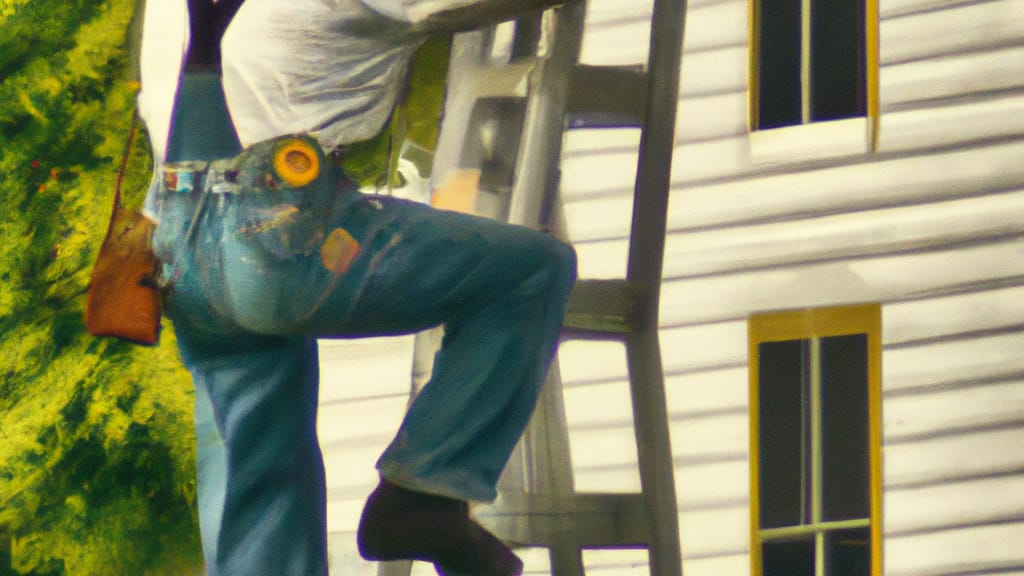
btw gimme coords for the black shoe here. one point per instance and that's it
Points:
(400, 524)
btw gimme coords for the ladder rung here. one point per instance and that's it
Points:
(588, 519)
(500, 81)
(606, 97)
(600, 308)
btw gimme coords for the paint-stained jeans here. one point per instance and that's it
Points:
(268, 266)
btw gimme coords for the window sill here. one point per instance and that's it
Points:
(808, 142)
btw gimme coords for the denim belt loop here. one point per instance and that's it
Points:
(216, 177)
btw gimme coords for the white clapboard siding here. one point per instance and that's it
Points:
(930, 225)
(949, 173)
(928, 79)
(986, 549)
(976, 26)
(364, 386)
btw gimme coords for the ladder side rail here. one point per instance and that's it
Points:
(657, 143)
(545, 445)
(646, 253)
(544, 125)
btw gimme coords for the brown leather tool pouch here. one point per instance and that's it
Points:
(124, 297)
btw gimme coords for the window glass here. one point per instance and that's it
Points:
(783, 433)
(837, 60)
(789, 557)
(779, 64)
(810, 55)
(845, 460)
(849, 552)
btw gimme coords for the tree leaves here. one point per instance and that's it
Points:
(96, 449)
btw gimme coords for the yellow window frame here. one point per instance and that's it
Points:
(820, 323)
(871, 46)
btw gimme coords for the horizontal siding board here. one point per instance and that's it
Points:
(364, 387)
(948, 459)
(949, 174)
(711, 26)
(967, 121)
(716, 350)
(978, 550)
(969, 312)
(577, 365)
(714, 71)
(709, 392)
(604, 459)
(896, 8)
(613, 13)
(714, 485)
(712, 116)
(877, 279)
(977, 358)
(738, 564)
(943, 412)
(982, 72)
(711, 438)
(623, 478)
(715, 533)
(578, 144)
(602, 260)
(352, 437)
(849, 235)
(705, 346)
(913, 511)
(617, 33)
(364, 368)
(972, 27)
(612, 400)
(612, 166)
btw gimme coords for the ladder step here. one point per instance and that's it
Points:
(584, 519)
(606, 97)
(600, 308)
(499, 81)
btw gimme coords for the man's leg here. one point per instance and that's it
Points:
(261, 486)
(211, 471)
(500, 291)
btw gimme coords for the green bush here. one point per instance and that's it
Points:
(96, 450)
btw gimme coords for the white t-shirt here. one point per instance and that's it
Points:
(332, 68)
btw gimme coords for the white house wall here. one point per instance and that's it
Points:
(931, 225)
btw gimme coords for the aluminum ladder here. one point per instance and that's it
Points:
(503, 127)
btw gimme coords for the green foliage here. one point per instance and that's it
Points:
(417, 121)
(96, 450)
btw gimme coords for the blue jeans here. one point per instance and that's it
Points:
(258, 269)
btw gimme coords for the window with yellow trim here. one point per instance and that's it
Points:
(815, 414)
(812, 61)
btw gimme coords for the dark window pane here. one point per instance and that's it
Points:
(845, 463)
(788, 558)
(782, 434)
(849, 552)
(838, 76)
(779, 92)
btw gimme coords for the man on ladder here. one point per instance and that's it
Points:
(266, 245)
